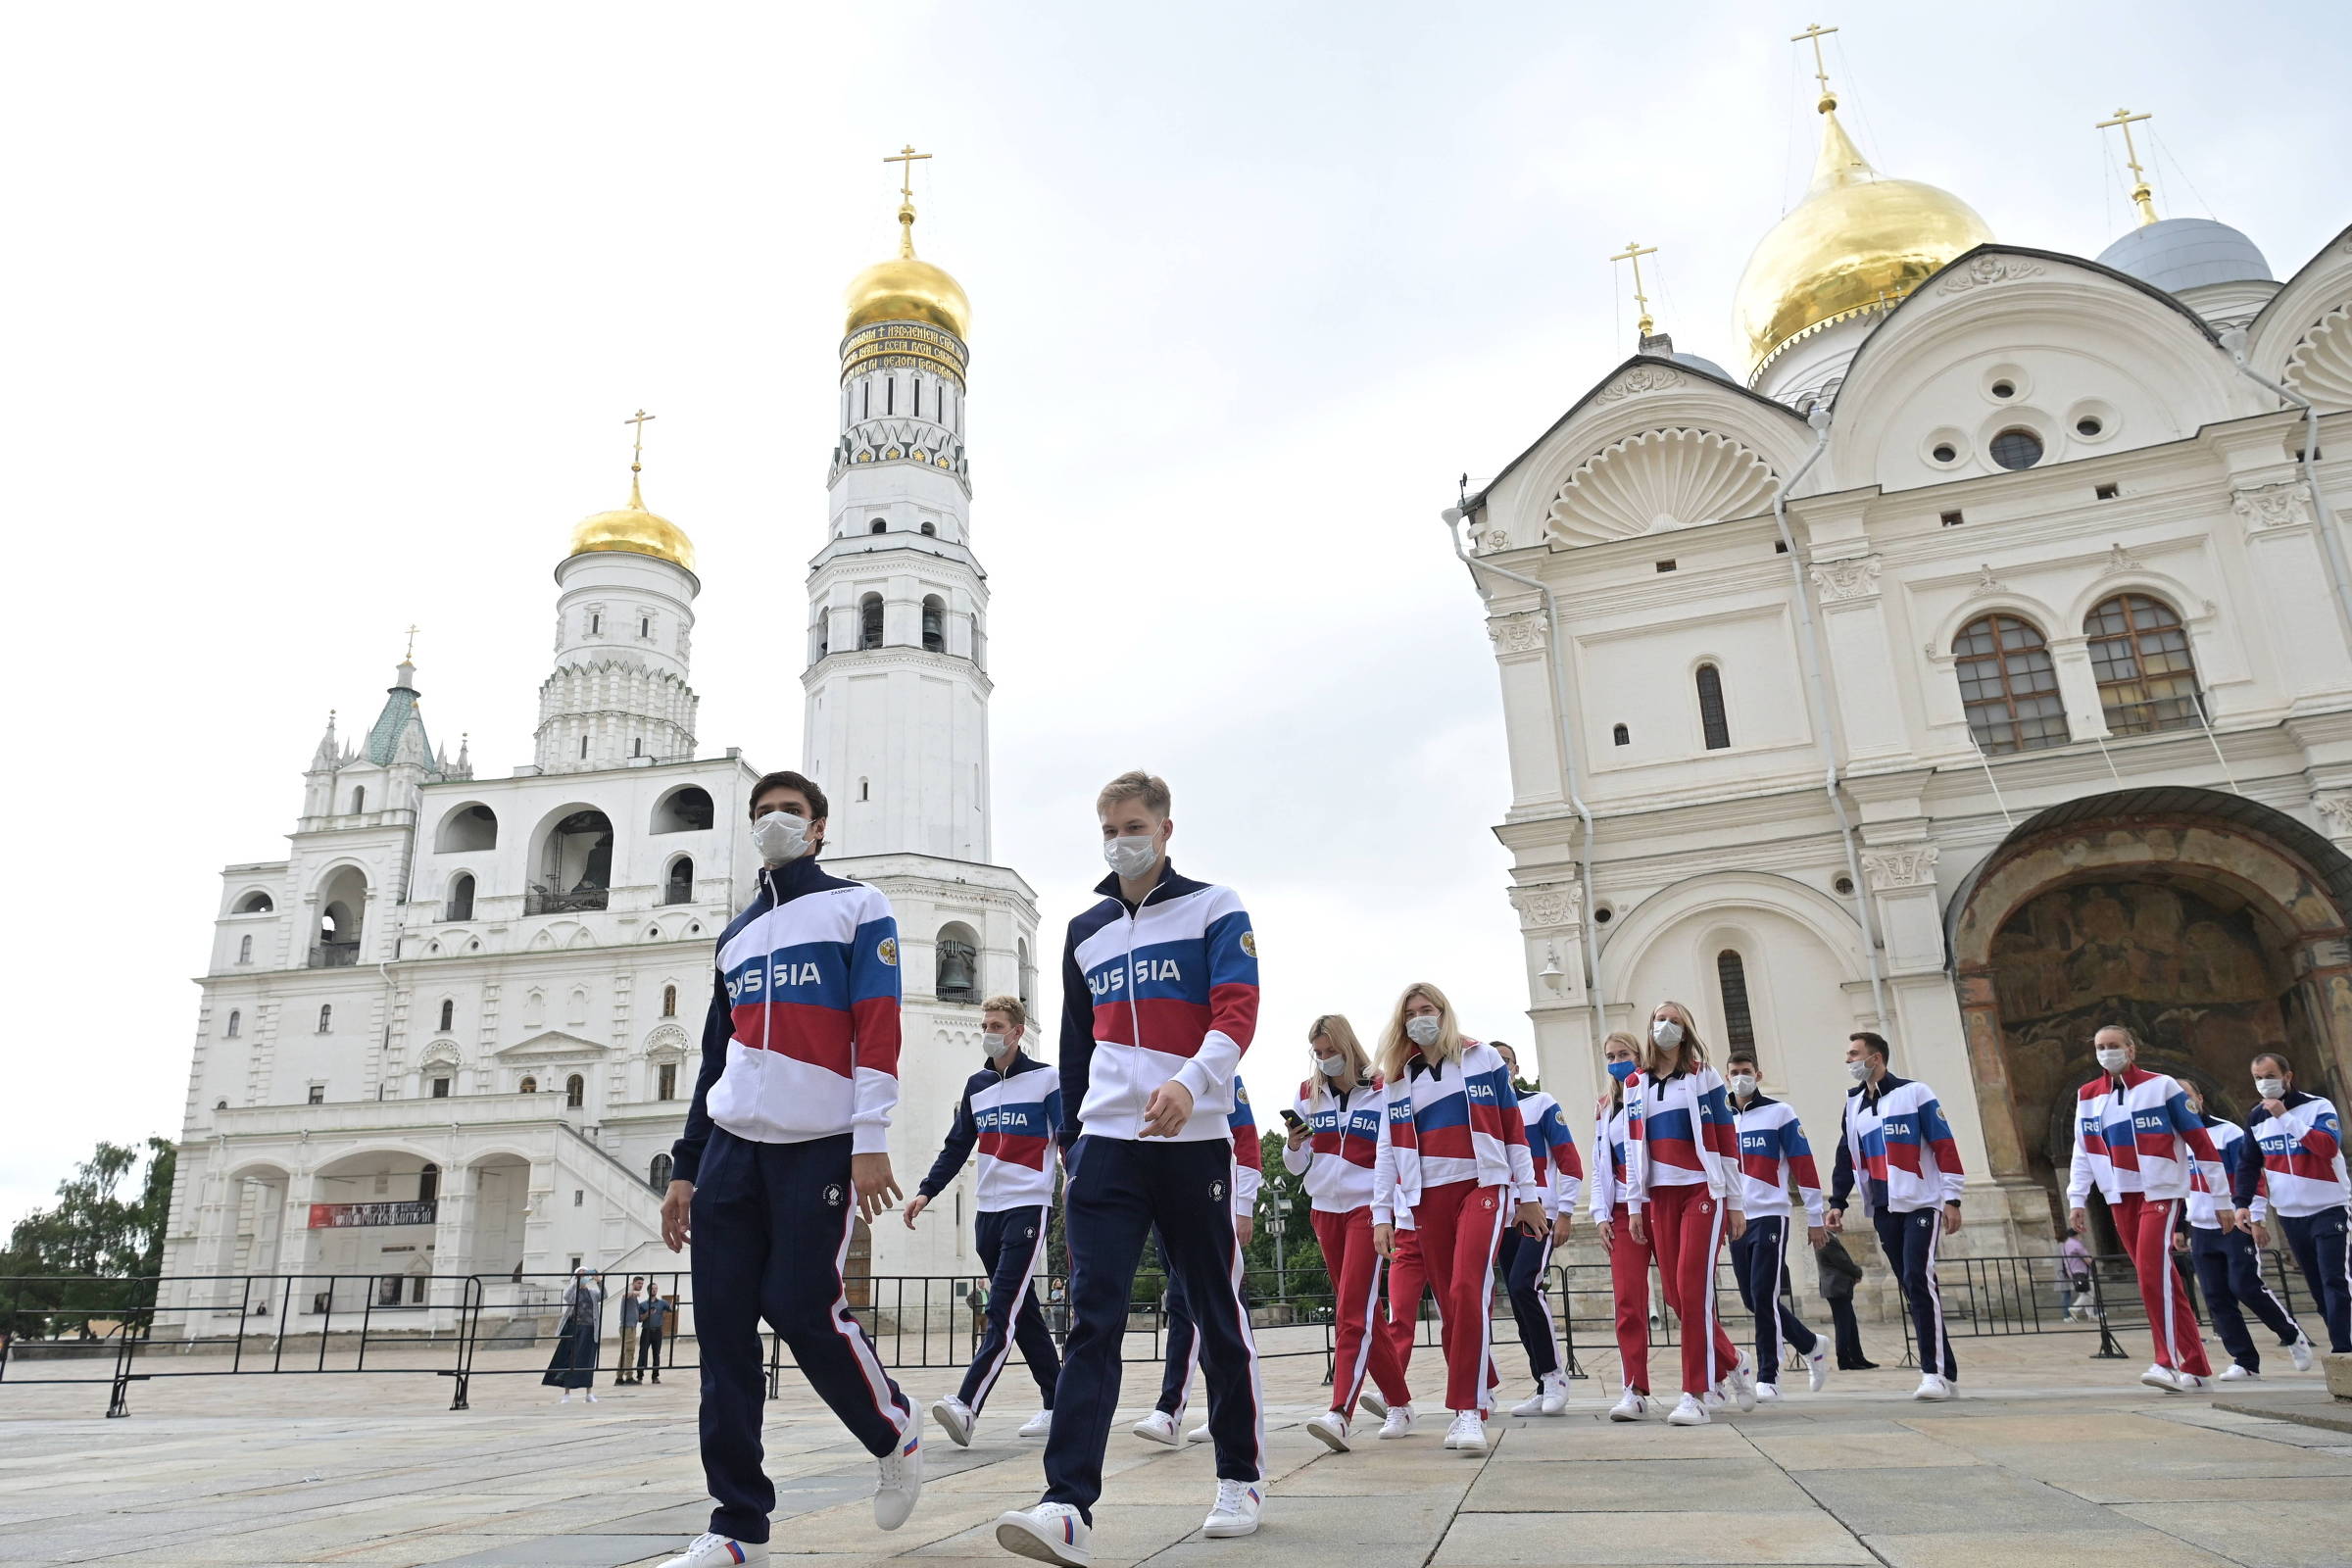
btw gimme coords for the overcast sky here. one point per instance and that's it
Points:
(328, 316)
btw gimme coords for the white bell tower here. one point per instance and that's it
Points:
(897, 720)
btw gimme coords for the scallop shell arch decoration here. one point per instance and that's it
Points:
(1658, 480)
(2321, 367)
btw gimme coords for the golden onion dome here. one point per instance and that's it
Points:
(906, 288)
(1857, 242)
(634, 529)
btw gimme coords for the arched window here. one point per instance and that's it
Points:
(1619, 735)
(1712, 721)
(864, 790)
(878, 527)
(2008, 685)
(935, 625)
(658, 1175)
(244, 949)
(670, 1001)
(429, 1183)
(575, 1092)
(358, 799)
(461, 896)
(666, 1081)
(237, 1024)
(678, 886)
(449, 1014)
(256, 904)
(469, 827)
(1739, 1020)
(326, 1018)
(956, 953)
(685, 809)
(869, 622)
(2139, 652)
(528, 1086)
(929, 531)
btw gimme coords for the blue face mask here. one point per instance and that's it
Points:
(1621, 1071)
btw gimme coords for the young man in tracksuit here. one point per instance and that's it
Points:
(1165, 1422)
(2229, 1265)
(1010, 1111)
(786, 1146)
(1895, 1136)
(1524, 1263)
(1772, 1150)
(2302, 1167)
(2137, 1140)
(1160, 982)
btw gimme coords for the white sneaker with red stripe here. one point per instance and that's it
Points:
(899, 1482)
(1331, 1430)
(1371, 1401)
(720, 1551)
(1051, 1532)
(1236, 1510)
(1158, 1427)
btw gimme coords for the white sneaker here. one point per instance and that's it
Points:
(899, 1482)
(955, 1418)
(591, 1395)
(1689, 1413)
(1037, 1425)
(1817, 1368)
(1158, 1427)
(1397, 1421)
(2300, 1352)
(1933, 1389)
(1051, 1532)
(720, 1551)
(1331, 1430)
(1236, 1510)
(566, 1399)
(1468, 1434)
(1630, 1406)
(1742, 1380)
(1371, 1401)
(1713, 1400)
(1768, 1394)
(2234, 1373)
(1556, 1393)
(1533, 1404)
(1201, 1434)
(2188, 1383)
(2161, 1377)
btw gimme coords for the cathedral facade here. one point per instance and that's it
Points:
(1972, 665)
(455, 1029)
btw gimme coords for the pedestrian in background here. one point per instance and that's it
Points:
(1840, 1274)
(574, 1365)
(632, 1310)
(653, 1323)
(2074, 1267)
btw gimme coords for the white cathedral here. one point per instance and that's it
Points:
(453, 1031)
(1973, 666)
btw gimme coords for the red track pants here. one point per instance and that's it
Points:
(1407, 1279)
(1459, 1225)
(1628, 1284)
(2148, 1234)
(1359, 1344)
(1686, 1227)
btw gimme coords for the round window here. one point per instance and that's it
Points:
(2004, 390)
(1603, 914)
(2087, 425)
(1845, 886)
(2017, 449)
(1945, 453)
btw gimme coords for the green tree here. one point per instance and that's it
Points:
(106, 1227)
(1303, 1269)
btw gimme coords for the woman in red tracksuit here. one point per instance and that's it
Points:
(1453, 1168)
(1333, 1144)
(1683, 1189)
(1629, 1260)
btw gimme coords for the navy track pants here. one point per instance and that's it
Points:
(2229, 1273)
(1759, 1257)
(1524, 1263)
(2321, 1244)
(1911, 1242)
(1011, 1241)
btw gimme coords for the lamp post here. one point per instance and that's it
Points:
(1276, 1224)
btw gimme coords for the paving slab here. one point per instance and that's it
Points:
(2313, 1534)
(2073, 1548)
(1494, 1540)
(1636, 1486)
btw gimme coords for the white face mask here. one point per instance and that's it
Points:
(1858, 1071)
(780, 837)
(1130, 857)
(1422, 1030)
(1666, 1032)
(1742, 1084)
(2112, 1057)
(1001, 1046)
(1331, 1066)
(2269, 1088)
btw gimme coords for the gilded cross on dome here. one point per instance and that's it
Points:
(907, 158)
(1814, 32)
(2141, 196)
(1634, 251)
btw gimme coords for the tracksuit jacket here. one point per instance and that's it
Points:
(1682, 1135)
(1249, 1153)
(2302, 1158)
(1451, 1122)
(1611, 1136)
(801, 1040)
(1011, 1116)
(2211, 1185)
(1343, 1144)
(1773, 1149)
(1551, 1150)
(2134, 1133)
(1169, 991)
(1899, 1143)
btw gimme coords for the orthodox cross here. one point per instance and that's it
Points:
(2141, 196)
(409, 657)
(907, 158)
(1634, 251)
(637, 452)
(1814, 32)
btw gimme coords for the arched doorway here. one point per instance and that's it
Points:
(2211, 925)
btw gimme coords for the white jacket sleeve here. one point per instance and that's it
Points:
(1384, 1175)
(1295, 1161)
(1600, 1185)
(2077, 1169)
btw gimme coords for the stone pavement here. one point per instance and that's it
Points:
(2050, 1458)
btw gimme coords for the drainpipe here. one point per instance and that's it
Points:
(2332, 544)
(1556, 645)
(1817, 699)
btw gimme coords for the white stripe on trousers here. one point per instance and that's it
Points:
(1780, 1331)
(1485, 1310)
(1363, 1349)
(1935, 1290)
(2263, 1281)
(988, 1380)
(1258, 1390)
(2172, 1330)
(1707, 1286)
(877, 1381)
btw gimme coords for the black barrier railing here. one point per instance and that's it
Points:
(1996, 1297)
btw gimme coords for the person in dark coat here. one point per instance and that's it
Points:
(652, 1324)
(1839, 1271)
(574, 1365)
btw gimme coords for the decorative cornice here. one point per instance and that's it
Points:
(1856, 577)
(1549, 906)
(1986, 271)
(1910, 866)
(2336, 806)
(1639, 380)
(2285, 505)
(1522, 633)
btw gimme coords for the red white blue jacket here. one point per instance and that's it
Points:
(802, 1040)
(1450, 1122)
(1551, 1150)
(1682, 1135)
(2302, 1158)
(1167, 990)
(2211, 1186)
(1012, 1117)
(1612, 1138)
(1341, 1146)
(2134, 1133)
(1249, 1153)
(1896, 1137)
(1772, 1150)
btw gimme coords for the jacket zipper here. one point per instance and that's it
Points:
(1134, 1015)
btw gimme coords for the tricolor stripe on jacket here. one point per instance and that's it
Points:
(1452, 1122)
(1342, 1143)
(2302, 1158)
(2134, 1133)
